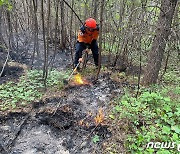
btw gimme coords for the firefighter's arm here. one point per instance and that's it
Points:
(81, 36)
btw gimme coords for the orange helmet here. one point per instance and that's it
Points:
(91, 23)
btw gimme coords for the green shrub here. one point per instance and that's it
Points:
(28, 88)
(152, 117)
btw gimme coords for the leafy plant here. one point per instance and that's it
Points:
(28, 88)
(171, 77)
(152, 117)
(6, 3)
(95, 139)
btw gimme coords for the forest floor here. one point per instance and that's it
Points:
(71, 120)
(104, 116)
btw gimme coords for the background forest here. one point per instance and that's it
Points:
(139, 45)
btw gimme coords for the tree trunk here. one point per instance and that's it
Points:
(10, 30)
(159, 43)
(85, 12)
(95, 8)
(71, 25)
(44, 40)
(100, 37)
(63, 29)
(35, 21)
(0, 27)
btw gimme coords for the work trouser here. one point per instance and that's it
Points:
(80, 46)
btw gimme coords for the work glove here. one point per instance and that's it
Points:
(80, 60)
(97, 27)
(83, 29)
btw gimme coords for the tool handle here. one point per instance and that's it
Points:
(73, 71)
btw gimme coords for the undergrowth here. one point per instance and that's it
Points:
(152, 117)
(29, 88)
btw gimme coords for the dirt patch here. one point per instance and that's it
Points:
(13, 72)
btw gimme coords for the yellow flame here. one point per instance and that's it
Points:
(78, 79)
(100, 117)
(87, 124)
(83, 123)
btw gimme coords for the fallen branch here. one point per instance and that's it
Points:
(4, 64)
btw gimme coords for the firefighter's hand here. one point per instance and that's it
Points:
(83, 29)
(80, 60)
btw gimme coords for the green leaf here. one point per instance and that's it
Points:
(167, 99)
(150, 150)
(167, 108)
(166, 130)
(176, 129)
(163, 151)
(96, 139)
(170, 114)
(140, 138)
(124, 102)
(175, 137)
(118, 108)
(177, 90)
(178, 112)
(112, 116)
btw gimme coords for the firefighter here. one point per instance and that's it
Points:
(87, 38)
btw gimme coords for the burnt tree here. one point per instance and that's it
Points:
(159, 42)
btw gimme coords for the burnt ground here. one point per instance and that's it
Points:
(14, 72)
(60, 124)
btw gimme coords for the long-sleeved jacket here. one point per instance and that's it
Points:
(88, 36)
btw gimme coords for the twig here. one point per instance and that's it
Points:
(4, 64)
(2, 148)
(154, 6)
(165, 67)
(73, 11)
(139, 75)
(85, 138)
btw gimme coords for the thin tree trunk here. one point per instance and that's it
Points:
(166, 65)
(44, 40)
(85, 9)
(95, 9)
(63, 31)
(71, 21)
(1, 37)
(100, 37)
(36, 45)
(56, 28)
(140, 69)
(47, 38)
(11, 38)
